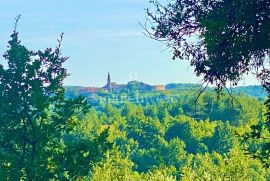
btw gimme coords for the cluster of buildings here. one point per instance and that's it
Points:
(116, 88)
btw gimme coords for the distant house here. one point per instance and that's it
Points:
(158, 87)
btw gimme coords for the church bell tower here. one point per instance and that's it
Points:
(109, 83)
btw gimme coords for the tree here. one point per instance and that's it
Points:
(114, 167)
(222, 39)
(34, 113)
(133, 86)
(222, 140)
(235, 166)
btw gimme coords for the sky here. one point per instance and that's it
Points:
(101, 36)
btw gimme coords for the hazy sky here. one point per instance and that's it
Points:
(100, 36)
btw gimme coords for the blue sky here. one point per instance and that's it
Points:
(100, 36)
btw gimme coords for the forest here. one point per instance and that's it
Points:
(174, 140)
(52, 132)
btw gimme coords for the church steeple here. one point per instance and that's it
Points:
(109, 78)
(109, 83)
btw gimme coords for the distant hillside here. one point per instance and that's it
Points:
(132, 88)
(254, 91)
(180, 86)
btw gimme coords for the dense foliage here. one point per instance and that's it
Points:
(165, 135)
(222, 39)
(37, 139)
(165, 141)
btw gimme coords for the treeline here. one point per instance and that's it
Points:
(173, 88)
(167, 141)
(206, 106)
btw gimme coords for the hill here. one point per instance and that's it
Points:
(253, 91)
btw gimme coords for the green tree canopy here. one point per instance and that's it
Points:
(222, 39)
(36, 117)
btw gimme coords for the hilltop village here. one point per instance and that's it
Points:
(116, 88)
